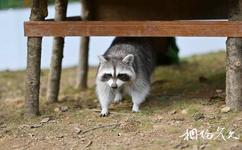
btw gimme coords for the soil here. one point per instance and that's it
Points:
(184, 97)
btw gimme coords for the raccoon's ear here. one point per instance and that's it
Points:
(129, 59)
(102, 59)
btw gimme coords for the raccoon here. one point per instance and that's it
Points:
(126, 65)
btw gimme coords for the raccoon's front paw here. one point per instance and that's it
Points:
(135, 108)
(104, 113)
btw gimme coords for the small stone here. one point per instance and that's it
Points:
(57, 109)
(184, 111)
(219, 91)
(78, 130)
(211, 117)
(202, 146)
(119, 134)
(172, 112)
(45, 120)
(64, 108)
(237, 63)
(225, 109)
(197, 116)
(31, 135)
(60, 136)
(36, 139)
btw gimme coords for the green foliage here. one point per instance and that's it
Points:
(171, 56)
(173, 50)
(11, 3)
(5, 4)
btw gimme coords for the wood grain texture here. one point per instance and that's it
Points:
(107, 10)
(82, 68)
(234, 62)
(57, 55)
(32, 82)
(134, 28)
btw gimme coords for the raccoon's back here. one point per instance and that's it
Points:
(144, 61)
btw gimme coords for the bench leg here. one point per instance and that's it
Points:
(32, 83)
(82, 69)
(234, 61)
(234, 73)
(57, 55)
(55, 70)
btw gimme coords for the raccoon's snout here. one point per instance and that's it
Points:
(114, 86)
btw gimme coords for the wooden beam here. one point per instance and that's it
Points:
(57, 55)
(32, 82)
(234, 61)
(82, 68)
(134, 10)
(134, 28)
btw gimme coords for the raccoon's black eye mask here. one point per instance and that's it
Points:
(123, 77)
(106, 77)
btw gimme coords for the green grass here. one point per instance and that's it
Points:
(176, 87)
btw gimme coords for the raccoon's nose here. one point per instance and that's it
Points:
(114, 86)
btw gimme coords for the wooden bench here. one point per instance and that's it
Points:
(163, 18)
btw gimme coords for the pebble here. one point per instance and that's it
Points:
(172, 112)
(61, 109)
(219, 91)
(184, 111)
(77, 130)
(45, 120)
(64, 108)
(60, 136)
(197, 116)
(225, 109)
(57, 109)
(202, 146)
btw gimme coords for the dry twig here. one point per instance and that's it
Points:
(99, 127)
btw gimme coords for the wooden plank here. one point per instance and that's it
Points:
(134, 28)
(137, 10)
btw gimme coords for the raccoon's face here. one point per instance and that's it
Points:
(116, 71)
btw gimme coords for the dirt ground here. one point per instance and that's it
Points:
(187, 97)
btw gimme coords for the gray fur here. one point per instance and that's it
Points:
(127, 64)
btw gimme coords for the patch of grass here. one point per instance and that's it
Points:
(189, 86)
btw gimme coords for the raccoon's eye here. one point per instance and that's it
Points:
(123, 77)
(106, 76)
